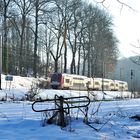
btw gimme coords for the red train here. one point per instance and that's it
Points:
(78, 82)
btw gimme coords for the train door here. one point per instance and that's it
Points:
(97, 84)
(67, 82)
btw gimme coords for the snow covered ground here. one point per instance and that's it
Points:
(111, 119)
(19, 122)
(20, 86)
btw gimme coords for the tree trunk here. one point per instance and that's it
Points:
(5, 49)
(36, 38)
(79, 59)
(65, 47)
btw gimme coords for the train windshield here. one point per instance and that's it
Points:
(56, 77)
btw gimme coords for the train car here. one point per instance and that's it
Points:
(68, 81)
(108, 84)
(79, 82)
(115, 85)
(94, 83)
(101, 84)
(60, 81)
(121, 85)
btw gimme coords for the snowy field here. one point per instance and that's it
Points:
(20, 86)
(111, 120)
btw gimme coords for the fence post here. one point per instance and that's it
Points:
(62, 118)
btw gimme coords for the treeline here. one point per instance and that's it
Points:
(43, 36)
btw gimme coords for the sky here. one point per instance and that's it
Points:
(126, 25)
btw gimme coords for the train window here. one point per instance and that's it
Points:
(106, 87)
(105, 81)
(67, 80)
(77, 78)
(111, 84)
(78, 84)
(96, 83)
(89, 82)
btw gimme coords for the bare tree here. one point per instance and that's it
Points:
(105, 44)
(95, 41)
(74, 32)
(56, 26)
(5, 4)
(23, 7)
(65, 13)
(47, 40)
(39, 7)
(123, 4)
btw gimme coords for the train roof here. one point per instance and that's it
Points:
(105, 79)
(71, 75)
(74, 75)
(120, 81)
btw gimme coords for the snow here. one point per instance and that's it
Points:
(112, 119)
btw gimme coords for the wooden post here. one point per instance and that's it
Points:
(61, 111)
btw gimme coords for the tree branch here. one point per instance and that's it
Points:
(119, 1)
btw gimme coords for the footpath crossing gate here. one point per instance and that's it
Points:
(62, 107)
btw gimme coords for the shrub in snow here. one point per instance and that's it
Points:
(34, 90)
